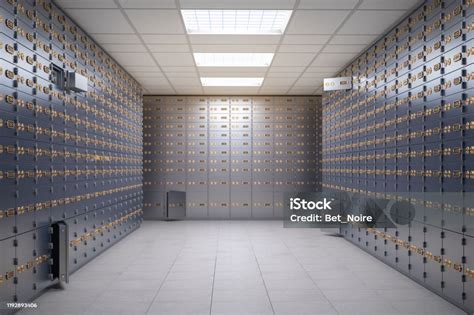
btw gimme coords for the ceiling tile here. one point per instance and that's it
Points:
(235, 39)
(313, 82)
(153, 81)
(182, 74)
(116, 38)
(160, 91)
(307, 91)
(300, 48)
(179, 69)
(168, 48)
(133, 59)
(305, 39)
(234, 48)
(283, 74)
(100, 20)
(164, 39)
(325, 69)
(287, 59)
(137, 74)
(148, 4)
(156, 21)
(389, 4)
(314, 75)
(279, 81)
(185, 81)
(174, 59)
(188, 90)
(327, 4)
(86, 4)
(274, 69)
(352, 39)
(335, 60)
(241, 4)
(370, 22)
(315, 21)
(153, 68)
(344, 48)
(110, 48)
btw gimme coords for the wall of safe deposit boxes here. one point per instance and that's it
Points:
(234, 156)
(408, 126)
(63, 156)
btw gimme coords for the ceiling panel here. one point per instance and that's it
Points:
(352, 39)
(101, 20)
(116, 38)
(305, 39)
(344, 48)
(316, 22)
(124, 48)
(300, 48)
(176, 81)
(148, 4)
(142, 68)
(279, 81)
(274, 69)
(389, 4)
(156, 21)
(174, 59)
(133, 59)
(334, 60)
(168, 48)
(370, 22)
(289, 59)
(308, 82)
(182, 75)
(328, 4)
(148, 38)
(86, 4)
(164, 39)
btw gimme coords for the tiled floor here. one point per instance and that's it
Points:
(238, 267)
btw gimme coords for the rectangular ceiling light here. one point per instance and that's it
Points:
(233, 59)
(246, 22)
(228, 81)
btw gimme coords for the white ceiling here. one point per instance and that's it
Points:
(148, 38)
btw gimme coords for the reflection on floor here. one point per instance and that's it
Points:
(238, 267)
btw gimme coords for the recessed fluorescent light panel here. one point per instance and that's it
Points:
(246, 22)
(213, 81)
(233, 59)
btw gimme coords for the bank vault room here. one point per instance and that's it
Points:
(236, 157)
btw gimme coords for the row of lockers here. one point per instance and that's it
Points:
(240, 160)
(439, 259)
(38, 26)
(420, 38)
(25, 261)
(63, 155)
(223, 204)
(406, 128)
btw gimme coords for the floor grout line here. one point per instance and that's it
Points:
(307, 274)
(166, 277)
(215, 266)
(259, 269)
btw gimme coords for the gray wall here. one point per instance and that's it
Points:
(234, 156)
